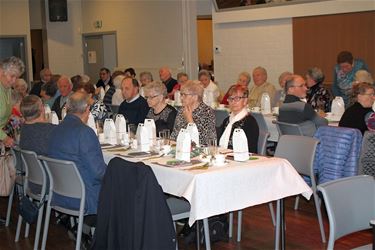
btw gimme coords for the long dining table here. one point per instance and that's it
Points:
(233, 186)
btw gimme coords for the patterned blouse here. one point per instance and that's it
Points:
(163, 120)
(204, 119)
(319, 98)
(99, 111)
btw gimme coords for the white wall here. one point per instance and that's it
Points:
(65, 41)
(149, 33)
(14, 21)
(36, 20)
(263, 36)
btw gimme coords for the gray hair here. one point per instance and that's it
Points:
(290, 82)
(363, 76)
(31, 107)
(316, 74)
(247, 75)
(77, 103)
(21, 82)
(193, 87)
(65, 77)
(264, 71)
(146, 74)
(118, 80)
(157, 87)
(43, 72)
(204, 72)
(13, 64)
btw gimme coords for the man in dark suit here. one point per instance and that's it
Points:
(45, 76)
(134, 107)
(65, 87)
(165, 75)
(105, 79)
(73, 140)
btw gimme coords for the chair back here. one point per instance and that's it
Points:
(35, 174)
(347, 217)
(220, 116)
(285, 128)
(262, 142)
(299, 151)
(20, 169)
(65, 179)
(366, 164)
(261, 121)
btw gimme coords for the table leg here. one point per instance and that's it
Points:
(206, 234)
(282, 223)
(277, 228)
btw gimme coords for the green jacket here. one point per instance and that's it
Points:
(5, 108)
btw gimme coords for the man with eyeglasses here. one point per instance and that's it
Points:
(296, 111)
(134, 107)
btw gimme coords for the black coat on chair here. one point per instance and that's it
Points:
(132, 211)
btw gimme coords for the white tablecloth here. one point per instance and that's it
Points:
(235, 186)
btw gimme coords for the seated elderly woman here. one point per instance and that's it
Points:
(21, 87)
(162, 113)
(97, 108)
(193, 110)
(145, 78)
(239, 118)
(363, 96)
(36, 130)
(244, 79)
(317, 95)
(280, 94)
(211, 92)
(117, 97)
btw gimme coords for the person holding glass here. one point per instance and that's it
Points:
(239, 118)
(193, 110)
(162, 113)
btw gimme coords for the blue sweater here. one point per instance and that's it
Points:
(134, 112)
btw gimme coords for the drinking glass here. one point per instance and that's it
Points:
(99, 126)
(165, 135)
(212, 145)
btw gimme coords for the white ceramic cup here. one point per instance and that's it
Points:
(219, 159)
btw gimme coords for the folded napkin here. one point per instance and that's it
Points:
(91, 123)
(183, 146)
(54, 118)
(120, 125)
(194, 133)
(143, 138)
(151, 128)
(240, 148)
(109, 130)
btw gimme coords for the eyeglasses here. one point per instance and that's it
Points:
(370, 94)
(235, 98)
(151, 97)
(185, 94)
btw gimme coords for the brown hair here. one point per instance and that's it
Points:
(238, 88)
(345, 57)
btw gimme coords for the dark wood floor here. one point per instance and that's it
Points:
(302, 231)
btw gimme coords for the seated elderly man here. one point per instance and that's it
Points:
(45, 76)
(65, 87)
(293, 110)
(165, 75)
(72, 140)
(36, 130)
(260, 86)
(194, 110)
(134, 107)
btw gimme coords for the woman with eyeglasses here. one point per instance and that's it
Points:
(162, 113)
(193, 110)
(362, 99)
(239, 118)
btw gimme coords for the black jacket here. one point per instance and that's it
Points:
(132, 211)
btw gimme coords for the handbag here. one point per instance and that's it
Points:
(7, 172)
(28, 210)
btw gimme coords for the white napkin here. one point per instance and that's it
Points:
(183, 145)
(143, 138)
(338, 106)
(265, 103)
(109, 130)
(193, 131)
(54, 118)
(91, 123)
(151, 127)
(240, 148)
(120, 125)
